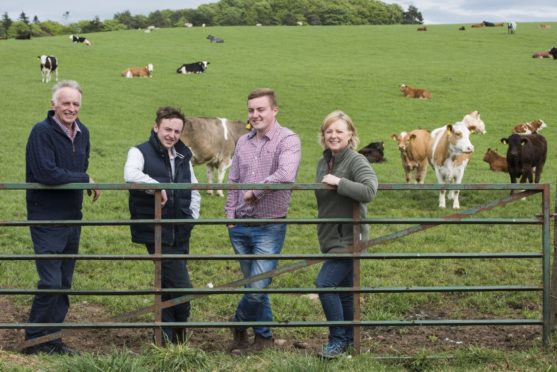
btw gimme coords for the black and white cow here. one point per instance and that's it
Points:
(215, 39)
(79, 39)
(193, 68)
(553, 52)
(49, 64)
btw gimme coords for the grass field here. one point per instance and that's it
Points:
(314, 70)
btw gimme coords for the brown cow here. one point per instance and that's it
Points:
(542, 54)
(413, 147)
(212, 141)
(530, 127)
(414, 92)
(496, 161)
(131, 72)
(477, 25)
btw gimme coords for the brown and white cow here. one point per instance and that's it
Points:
(415, 92)
(450, 153)
(530, 127)
(212, 141)
(473, 120)
(131, 72)
(414, 147)
(496, 161)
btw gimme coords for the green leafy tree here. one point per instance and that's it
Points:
(19, 30)
(114, 25)
(412, 16)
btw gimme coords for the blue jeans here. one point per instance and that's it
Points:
(337, 306)
(261, 239)
(53, 274)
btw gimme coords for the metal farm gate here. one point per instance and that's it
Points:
(357, 252)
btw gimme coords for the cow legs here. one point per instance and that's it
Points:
(223, 166)
(209, 177)
(442, 199)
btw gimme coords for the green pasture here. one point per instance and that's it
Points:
(314, 71)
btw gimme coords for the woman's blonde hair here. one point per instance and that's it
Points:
(332, 118)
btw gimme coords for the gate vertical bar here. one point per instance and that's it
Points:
(546, 268)
(158, 267)
(356, 272)
(553, 311)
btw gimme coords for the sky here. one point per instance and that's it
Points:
(433, 11)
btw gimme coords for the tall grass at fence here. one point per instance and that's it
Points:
(314, 70)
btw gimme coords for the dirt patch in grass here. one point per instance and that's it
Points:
(381, 341)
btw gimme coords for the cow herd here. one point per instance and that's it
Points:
(49, 63)
(448, 150)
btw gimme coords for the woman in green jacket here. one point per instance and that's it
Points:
(354, 181)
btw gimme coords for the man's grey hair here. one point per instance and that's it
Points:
(65, 84)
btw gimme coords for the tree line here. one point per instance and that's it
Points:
(226, 13)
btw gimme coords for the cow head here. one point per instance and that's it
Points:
(401, 139)
(553, 52)
(150, 68)
(515, 143)
(459, 138)
(474, 123)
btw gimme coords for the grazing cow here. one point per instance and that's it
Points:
(450, 153)
(79, 39)
(529, 127)
(414, 92)
(488, 24)
(414, 147)
(524, 154)
(474, 123)
(511, 27)
(496, 161)
(461, 28)
(553, 52)
(477, 25)
(131, 72)
(374, 152)
(49, 64)
(423, 28)
(215, 39)
(542, 54)
(193, 68)
(212, 142)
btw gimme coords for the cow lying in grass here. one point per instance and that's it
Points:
(542, 54)
(530, 127)
(496, 161)
(415, 92)
(131, 72)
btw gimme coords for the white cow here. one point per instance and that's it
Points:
(450, 152)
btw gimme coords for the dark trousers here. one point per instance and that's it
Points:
(174, 275)
(53, 274)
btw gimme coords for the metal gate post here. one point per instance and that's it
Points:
(356, 272)
(158, 267)
(553, 298)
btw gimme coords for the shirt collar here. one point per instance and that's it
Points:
(269, 134)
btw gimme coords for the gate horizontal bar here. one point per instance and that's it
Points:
(225, 257)
(363, 323)
(208, 291)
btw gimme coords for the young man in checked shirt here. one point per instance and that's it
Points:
(270, 153)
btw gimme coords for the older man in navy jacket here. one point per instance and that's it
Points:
(57, 153)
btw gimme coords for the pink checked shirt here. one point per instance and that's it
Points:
(273, 159)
